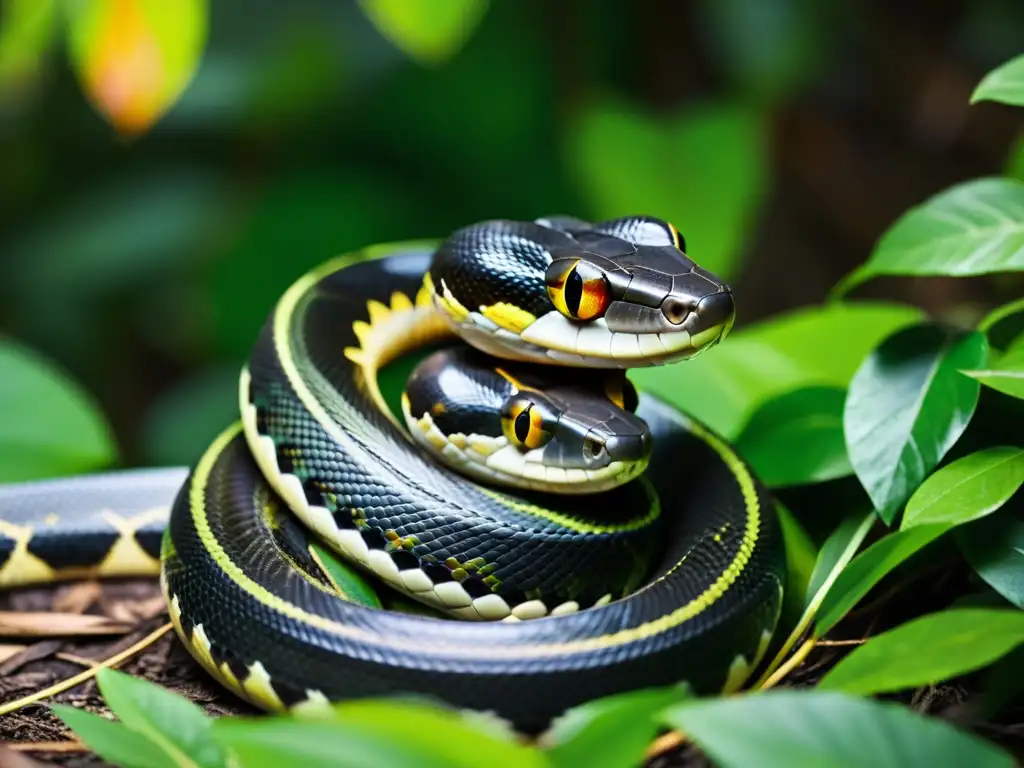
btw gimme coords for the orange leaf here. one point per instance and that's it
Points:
(134, 58)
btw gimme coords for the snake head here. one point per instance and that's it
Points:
(655, 296)
(633, 304)
(534, 427)
(617, 294)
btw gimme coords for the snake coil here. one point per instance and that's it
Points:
(317, 442)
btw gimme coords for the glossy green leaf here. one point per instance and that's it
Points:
(1000, 313)
(1006, 375)
(347, 581)
(994, 547)
(972, 228)
(581, 736)
(869, 568)
(135, 57)
(48, 424)
(797, 438)
(704, 170)
(363, 735)
(26, 31)
(969, 488)
(1003, 84)
(836, 553)
(786, 729)
(928, 650)
(114, 742)
(169, 720)
(427, 32)
(769, 358)
(906, 407)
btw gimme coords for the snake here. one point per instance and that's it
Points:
(548, 534)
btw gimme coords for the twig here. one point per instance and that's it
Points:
(790, 664)
(79, 660)
(827, 643)
(88, 674)
(665, 743)
(46, 746)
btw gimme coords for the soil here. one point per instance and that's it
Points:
(137, 605)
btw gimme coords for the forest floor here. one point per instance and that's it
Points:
(46, 638)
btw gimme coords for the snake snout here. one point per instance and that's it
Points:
(716, 311)
(635, 447)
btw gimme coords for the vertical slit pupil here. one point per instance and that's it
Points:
(522, 425)
(573, 291)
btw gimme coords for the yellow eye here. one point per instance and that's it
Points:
(581, 292)
(523, 425)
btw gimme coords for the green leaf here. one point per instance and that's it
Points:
(969, 488)
(972, 228)
(906, 407)
(769, 358)
(801, 556)
(48, 424)
(371, 733)
(347, 582)
(837, 551)
(797, 438)
(870, 567)
(174, 723)
(819, 729)
(430, 33)
(1007, 374)
(928, 650)
(135, 57)
(116, 743)
(705, 170)
(994, 547)
(25, 36)
(581, 736)
(1003, 84)
(999, 314)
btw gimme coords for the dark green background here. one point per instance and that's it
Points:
(781, 137)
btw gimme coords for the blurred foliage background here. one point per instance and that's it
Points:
(141, 249)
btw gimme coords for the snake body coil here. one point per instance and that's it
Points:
(584, 612)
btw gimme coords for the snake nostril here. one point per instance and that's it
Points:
(593, 449)
(675, 310)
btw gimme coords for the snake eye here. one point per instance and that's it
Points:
(580, 291)
(523, 425)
